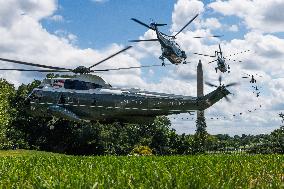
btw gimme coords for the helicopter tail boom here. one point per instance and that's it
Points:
(213, 97)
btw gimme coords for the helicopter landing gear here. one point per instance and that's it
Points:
(163, 60)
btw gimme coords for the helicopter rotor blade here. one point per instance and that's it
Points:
(212, 61)
(143, 24)
(140, 40)
(232, 84)
(220, 79)
(32, 64)
(128, 68)
(185, 25)
(247, 74)
(217, 36)
(232, 60)
(210, 84)
(220, 48)
(204, 54)
(227, 99)
(27, 70)
(110, 56)
(238, 53)
(160, 24)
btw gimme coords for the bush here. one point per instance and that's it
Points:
(142, 151)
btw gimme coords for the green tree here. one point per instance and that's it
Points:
(277, 139)
(200, 136)
(7, 92)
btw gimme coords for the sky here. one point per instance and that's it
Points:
(71, 33)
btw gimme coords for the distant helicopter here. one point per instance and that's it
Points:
(170, 49)
(257, 92)
(88, 97)
(221, 60)
(252, 77)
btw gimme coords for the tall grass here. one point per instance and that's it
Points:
(45, 170)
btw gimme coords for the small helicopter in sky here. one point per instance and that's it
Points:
(170, 49)
(252, 77)
(84, 96)
(221, 60)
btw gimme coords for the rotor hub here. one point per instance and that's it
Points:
(81, 70)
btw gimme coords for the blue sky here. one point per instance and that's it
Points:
(81, 32)
(98, 24)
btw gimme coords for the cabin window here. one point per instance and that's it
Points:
(69, 84)
(80, 85)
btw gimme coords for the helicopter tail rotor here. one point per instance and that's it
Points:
(223, 87)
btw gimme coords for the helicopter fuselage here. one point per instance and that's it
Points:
(221, 64)
(170, 49)
(77, 100)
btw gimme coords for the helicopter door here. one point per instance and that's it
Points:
(62, 99)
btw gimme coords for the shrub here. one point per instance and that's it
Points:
(142, 151)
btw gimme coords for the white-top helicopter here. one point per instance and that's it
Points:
(221, 60)
(170, 49)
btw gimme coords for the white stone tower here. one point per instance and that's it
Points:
(200, 85)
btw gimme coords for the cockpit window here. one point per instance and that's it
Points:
(80, 85)
(45, 82)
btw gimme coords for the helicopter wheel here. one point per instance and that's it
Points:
(163, 60)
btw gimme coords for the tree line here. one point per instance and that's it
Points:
(21, 130)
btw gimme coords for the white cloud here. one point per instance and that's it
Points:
(13, 10)
(57, 18)
(212, 23)
(265, 16)
(184, 10)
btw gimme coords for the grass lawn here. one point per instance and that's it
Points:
(33, 169)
